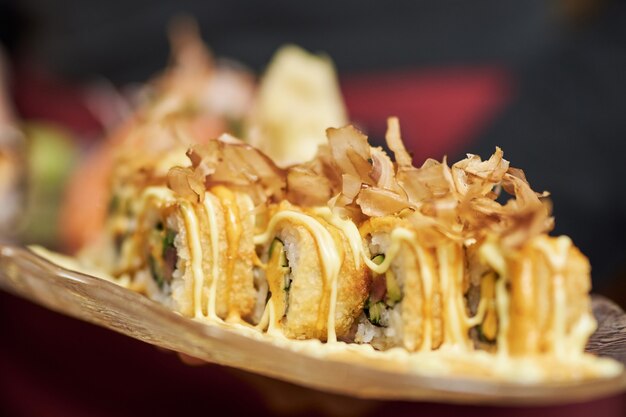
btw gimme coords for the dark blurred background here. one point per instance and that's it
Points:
(543, 79)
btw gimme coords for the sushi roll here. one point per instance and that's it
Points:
(317, 283)
(416, 299)
(232, 294)
(195, 257)
(541, 296)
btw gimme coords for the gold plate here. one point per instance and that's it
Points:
(103, 303)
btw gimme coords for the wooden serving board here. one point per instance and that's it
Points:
(609, 338)
(98, 301)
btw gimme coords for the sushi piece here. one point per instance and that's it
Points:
(195, 257)
(232, 291)
(317, 282)
(416, 299)
(541, 297)
(164, 255)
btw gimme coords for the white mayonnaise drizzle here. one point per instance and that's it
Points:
(192, 228)
(195, 253)
(211, 214)
(455, 320)
(350, 231)
(329, 256)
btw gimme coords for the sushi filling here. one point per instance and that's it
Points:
(385, 293)
(484, 334)
(278, 270)
(162, 256)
